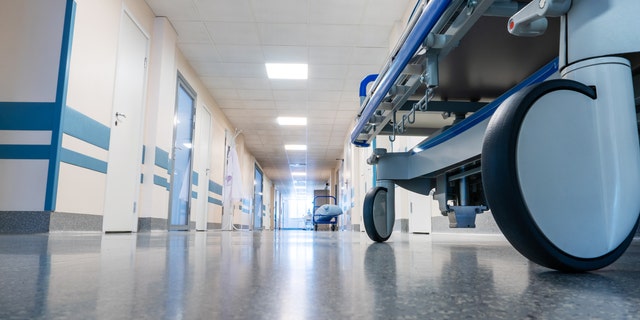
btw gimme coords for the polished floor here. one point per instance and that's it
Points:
(298, 275)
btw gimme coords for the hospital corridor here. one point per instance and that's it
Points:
(306, 159)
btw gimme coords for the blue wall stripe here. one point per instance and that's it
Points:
(81, 160)
(57, 116)
(215, 188)
(160, 181)
(26, 115)
(194, 178)
(10, 151)
(162, 159)
(215, 201)
(86, 129)
(194, 195)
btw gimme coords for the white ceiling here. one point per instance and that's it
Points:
(228, 42)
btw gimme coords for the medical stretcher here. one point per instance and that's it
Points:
(543, 130)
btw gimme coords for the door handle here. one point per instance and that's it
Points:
(120, 117)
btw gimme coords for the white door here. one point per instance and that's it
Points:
(125, 145)
(203, 151)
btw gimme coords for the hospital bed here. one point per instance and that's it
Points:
(540, 123)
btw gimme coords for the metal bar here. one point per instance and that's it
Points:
(465, 174)
(425, 23)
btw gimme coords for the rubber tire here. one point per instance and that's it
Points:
(502, 188)
(368, 215)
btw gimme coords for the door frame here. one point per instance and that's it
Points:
(181, 82)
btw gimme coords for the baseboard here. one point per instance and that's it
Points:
(149, 224)
(64, 221)
(14, 222)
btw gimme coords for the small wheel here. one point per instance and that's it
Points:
(377, 221)
(551, 181)
(333, 227)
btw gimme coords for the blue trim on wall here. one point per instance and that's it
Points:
(162, 159)
(194, 195)
(86, 129)
(215, 201)
(194, 178)
(58, 113)
(160, 181)
(26, 115)
(215, 188)
(83, 161)
(31, 152)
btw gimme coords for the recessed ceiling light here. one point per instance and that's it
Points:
(287, 70)
(292, 121)
(299, 173)
(295, 147)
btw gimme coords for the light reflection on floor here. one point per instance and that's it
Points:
(298, 275)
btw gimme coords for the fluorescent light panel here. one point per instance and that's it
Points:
(292, 121)
(295, 71)
(300, 147)
(298, 173)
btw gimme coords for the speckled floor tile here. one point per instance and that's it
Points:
(298, 275)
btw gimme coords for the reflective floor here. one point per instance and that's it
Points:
(298, 275)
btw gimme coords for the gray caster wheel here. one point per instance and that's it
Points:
(548, 178)
(377, 221)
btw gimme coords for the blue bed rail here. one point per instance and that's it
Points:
(432, 12)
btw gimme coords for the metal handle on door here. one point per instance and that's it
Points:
(118, 117)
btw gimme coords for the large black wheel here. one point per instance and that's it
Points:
(378, 222)
(547, 179)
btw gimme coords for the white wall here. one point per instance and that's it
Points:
(31, 37)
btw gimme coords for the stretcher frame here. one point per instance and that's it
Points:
(451, 160)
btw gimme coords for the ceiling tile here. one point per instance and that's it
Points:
(261, 104)
(386, 12)
(330, 55)
(283, 84)
(191, 32)
(200, 52)
(255, 94)
(281, 11)
(283, 34)
(373, 36)
(336, 11)
(326, 84)
(224, 10)
(251, 83)
(286, 54)
(321, 71)
(292, 95)
(332, 96)
(233, 53)
(331, 35)
(376, 56)
(233, 33)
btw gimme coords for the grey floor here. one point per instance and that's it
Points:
(298, 275)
